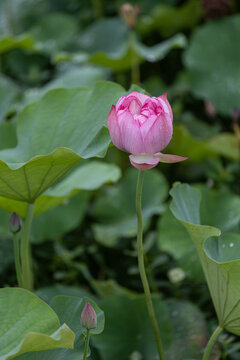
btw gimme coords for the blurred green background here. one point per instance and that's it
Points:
(86, 242)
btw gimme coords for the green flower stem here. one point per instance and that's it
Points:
(86, 345)
(135, 68)
(142, 268)
(211, 342)
(27, 276)
(17, 260)
(98, 9)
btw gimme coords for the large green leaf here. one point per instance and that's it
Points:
(54, 31)
(115, 209)
(27, 67)
(56, 222)
(159, 51)
(170, 19)
(8, 96)
(181, 324)
(116, 49)
(48, 293)
(220, 209)
(140, 52)
(15, 15)
(174, 239)
(225, 255)
(106, 288)
(57, 213)
(8, 137)
(9, 42)
(183, 142)
(54, 134)
(94, 40)
(221, 263)
(28, 324)
(127, 320)
(215, 71)
(88, 176)
(224, 144)
(72, 77)
(69, 309)
(189, 333)
(6, 253)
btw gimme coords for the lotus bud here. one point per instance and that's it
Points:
(143, 126)
(15, 223)
(88, 317)
(129, 14)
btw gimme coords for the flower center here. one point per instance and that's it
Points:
(150, 109)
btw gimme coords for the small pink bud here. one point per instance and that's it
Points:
(88, 317)
(15, 223)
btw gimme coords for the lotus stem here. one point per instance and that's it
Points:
(141, 266)
(135, 68)
(86, 345)
(98, 9)
(17, 259)
(27, 275)
(211, 342)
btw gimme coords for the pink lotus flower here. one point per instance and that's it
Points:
(142, 126)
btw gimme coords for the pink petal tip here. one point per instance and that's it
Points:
(169, 158)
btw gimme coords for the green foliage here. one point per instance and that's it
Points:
(88, 176)
(116, 49)
(31, 325)
(115, 209)
(6, 253)
(214, 70)
(7, 135)
(9, 93)
(219, 255)
(54, 32)
(173, 238)
(197, 149)
(168, 19)
(127, 319)
(56, 222)
(54, 59)
(39, 163)
(69, 309)
(10, 42)
(69, 77)
(186, 344)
